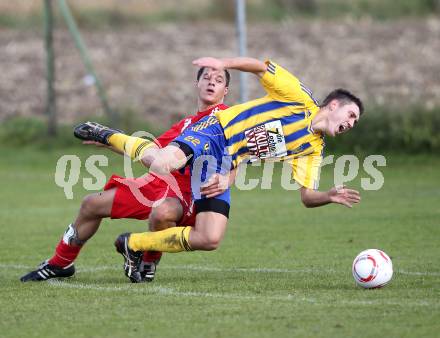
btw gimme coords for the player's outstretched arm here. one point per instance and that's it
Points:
(340, 195)
(244, 64)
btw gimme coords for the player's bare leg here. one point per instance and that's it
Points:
(93, 209)
(161, 162)
(207, 234)
(164, 216)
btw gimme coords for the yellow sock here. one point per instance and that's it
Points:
(169, 240)
(130, 145)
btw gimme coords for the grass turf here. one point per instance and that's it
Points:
(282, 270)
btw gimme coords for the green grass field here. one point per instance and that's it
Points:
(282, 270)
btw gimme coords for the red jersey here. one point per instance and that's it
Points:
(184, 180)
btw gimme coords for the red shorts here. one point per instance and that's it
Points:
(134, 198)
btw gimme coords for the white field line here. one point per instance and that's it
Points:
(217, 269)
(417, 273)
(159, 290)
(165, 291)
(212, 269)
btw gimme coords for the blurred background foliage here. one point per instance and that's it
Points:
(409, 127)
(408, 132)
(111, 13)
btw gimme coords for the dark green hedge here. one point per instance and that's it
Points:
(379, 130)
(409, 131)
(32, 131)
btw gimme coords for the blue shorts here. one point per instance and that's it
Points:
(204, 144)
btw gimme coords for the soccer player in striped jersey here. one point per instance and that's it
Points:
(119, 200)
(287, 125)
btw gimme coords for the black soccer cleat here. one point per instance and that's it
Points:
(148, 270)
(47, 271)
(132, 259)
(92, 131)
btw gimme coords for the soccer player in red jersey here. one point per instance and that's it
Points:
(287, 124)
(120, 200)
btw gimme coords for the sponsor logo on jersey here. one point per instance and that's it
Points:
(266, 141)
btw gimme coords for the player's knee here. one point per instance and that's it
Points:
(160, 220)
(212, 245)
(164, 216)
(212, 242)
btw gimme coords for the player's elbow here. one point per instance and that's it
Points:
(305, 198)
(307, 203)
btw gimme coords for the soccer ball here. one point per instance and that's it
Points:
(372, 269)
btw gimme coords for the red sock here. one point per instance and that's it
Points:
(151, 256)
(64, 254)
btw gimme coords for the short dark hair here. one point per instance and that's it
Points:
(345, 97)
(228, 76)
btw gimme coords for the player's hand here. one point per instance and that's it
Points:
(343, 195)
(209, 62)
(215, 186)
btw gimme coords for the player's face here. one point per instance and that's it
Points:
(342, 117)
(212, 86)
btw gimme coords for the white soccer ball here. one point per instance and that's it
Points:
(372, 268)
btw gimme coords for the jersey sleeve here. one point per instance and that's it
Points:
(306, 170)
(284, 86)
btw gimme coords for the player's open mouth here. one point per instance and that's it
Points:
(210, 91)
(343, 127)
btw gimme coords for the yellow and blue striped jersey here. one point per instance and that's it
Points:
(277, 126)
